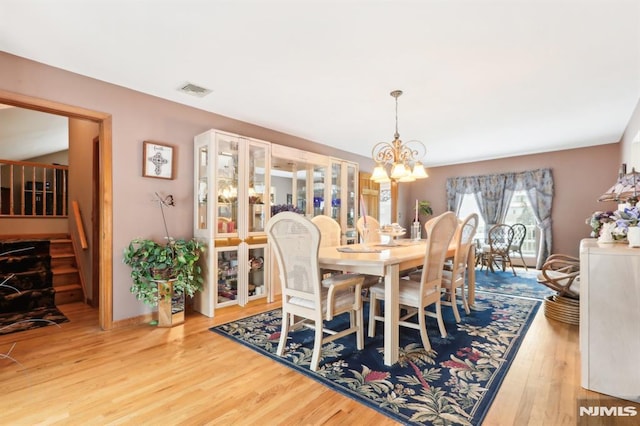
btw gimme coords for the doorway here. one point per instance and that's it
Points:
(103, 246)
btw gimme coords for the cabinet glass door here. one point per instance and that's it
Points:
(258, 190)
(202, 176)
(350, 194)
(336, 185)
(301, 189)
(319, 174)
(227, 184)
(256, 272)
(227, 275)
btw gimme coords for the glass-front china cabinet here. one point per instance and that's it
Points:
(343, 190)
(239, 183)
(233, 199)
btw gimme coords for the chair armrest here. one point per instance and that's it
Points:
(342, 282)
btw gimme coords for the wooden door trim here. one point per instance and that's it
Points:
(105, 246)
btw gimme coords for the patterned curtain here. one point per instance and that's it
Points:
(539, 187)
(493, 194)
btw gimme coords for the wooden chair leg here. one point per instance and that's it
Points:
(422, 322)
(443, 330)
(360, 324)
(373, 311)
(317, 347)
(454, 305)
(465, 304)
(284, 332)
(523, 262)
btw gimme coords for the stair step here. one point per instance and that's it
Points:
(61, 270)
(63, 261)
(68, 293)
(63, 256)
(63, 276)
(26, 300)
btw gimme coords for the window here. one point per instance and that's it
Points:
(520, 211)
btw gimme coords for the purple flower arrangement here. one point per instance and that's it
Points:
(278, 208)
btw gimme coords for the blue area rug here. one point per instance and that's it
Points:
(524, 284)
(454, 383)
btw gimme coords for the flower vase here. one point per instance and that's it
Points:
(364, 235)
(633, 236)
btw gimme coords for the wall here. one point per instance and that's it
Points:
(60, 157)
(631, 141)
(580, 177)
(81, 135)
(138, 117)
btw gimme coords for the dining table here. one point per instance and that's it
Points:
(387, 261)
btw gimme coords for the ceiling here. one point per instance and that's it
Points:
(27, 134)
(481, 79)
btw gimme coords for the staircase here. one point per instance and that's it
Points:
(25, 269)
(66, 276)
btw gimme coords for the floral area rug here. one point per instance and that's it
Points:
(454, 383)
(524, 284)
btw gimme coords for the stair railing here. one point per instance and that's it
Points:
(33, 189)
(83, 244)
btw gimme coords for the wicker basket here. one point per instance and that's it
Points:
(562, 309)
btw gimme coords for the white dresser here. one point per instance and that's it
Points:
(610, 319)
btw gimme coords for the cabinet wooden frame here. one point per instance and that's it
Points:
(158, 160)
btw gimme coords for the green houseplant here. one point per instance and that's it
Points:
(172, 263)
(164, 269)
(424, 208)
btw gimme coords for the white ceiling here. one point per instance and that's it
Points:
(27, 134)
(481, 78)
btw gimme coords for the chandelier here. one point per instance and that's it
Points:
(399, 156)
(625, 190)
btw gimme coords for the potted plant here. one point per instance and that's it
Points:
(164, 273)
(424, 208)
(173, 262)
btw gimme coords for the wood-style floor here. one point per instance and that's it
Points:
(187, 375)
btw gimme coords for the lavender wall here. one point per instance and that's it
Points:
(138, 117)
(580, 177)
(631, 149)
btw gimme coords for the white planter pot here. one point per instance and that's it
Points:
(633, 236)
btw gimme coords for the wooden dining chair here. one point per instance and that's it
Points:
(308, 301)
(373, 233)
(415, 296)
(330, 235)
(519, 235)
(500, 240)
(330, 232)
(455, 271)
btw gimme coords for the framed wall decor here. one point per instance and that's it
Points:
(158, 160)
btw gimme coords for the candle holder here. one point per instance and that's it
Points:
(416, 231)
(364, 234)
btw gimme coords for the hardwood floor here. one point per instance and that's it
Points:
(78, 374)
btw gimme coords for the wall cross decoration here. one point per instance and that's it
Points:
(157, 160)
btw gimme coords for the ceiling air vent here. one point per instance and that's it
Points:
(194, 90)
